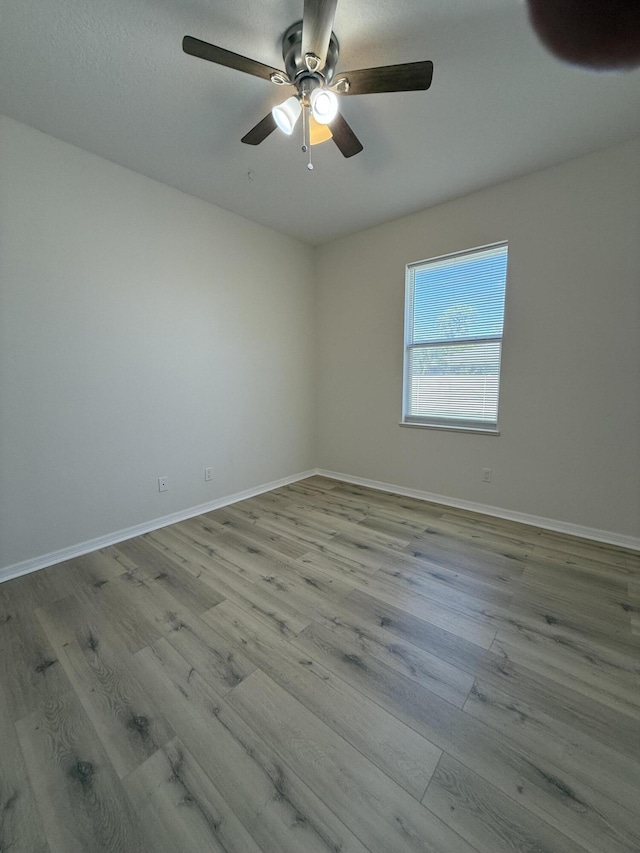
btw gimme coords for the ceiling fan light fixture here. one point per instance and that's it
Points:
(310, 52)
(286, 114)
(324, 106)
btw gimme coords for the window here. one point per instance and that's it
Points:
(454, 313)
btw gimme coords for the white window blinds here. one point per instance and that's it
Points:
(454, 314)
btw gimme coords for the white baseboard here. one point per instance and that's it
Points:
(33, 565)
(592, 533)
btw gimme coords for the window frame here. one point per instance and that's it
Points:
(444, 423)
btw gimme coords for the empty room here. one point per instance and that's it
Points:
(319, 426)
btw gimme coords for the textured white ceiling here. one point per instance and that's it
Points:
(111, 77)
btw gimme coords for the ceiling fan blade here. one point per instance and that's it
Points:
(317, 24)
(344, 137)
(408, 77)
(213, 53)
(260, 132)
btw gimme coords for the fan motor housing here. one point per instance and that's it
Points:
(294, 63)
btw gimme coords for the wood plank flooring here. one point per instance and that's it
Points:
(324, 669)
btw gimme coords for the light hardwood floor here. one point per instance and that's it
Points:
(324, 668)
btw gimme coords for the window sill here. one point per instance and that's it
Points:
(448, 428)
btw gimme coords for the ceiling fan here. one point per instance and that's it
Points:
(310, 52)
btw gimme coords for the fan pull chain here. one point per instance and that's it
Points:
(306, 138)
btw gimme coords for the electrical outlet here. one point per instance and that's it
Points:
(208, 474)
(163, 484)
(486, 475)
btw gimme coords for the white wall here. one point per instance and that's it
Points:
(143, 333)
(569, 447)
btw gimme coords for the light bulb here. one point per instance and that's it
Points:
(324, 105)
(286, 114)
(318, 132)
